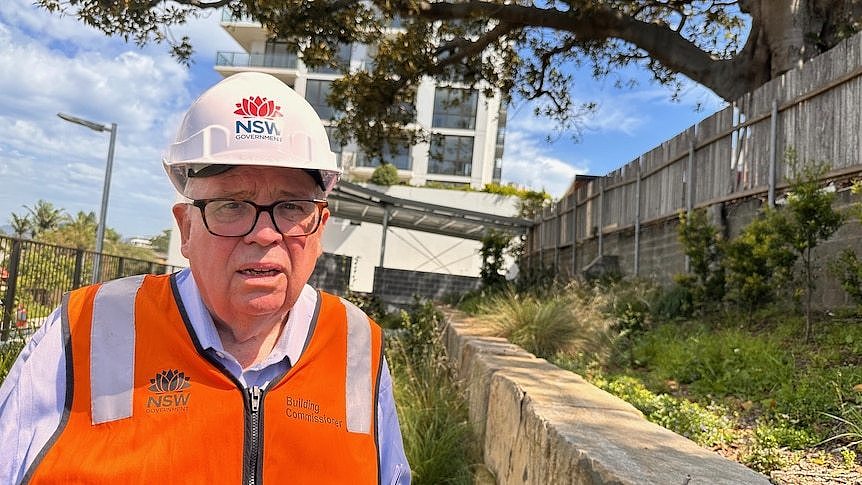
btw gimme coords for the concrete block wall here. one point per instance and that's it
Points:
(538, 424)
(398, 286)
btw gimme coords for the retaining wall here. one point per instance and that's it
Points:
(539, 424)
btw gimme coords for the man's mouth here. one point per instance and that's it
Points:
(259, 271)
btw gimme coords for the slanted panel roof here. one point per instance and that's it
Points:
(358, 203)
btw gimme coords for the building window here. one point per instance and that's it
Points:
(279, 54)
(341, 58)
(396, 153)
(316, 92)
(334, 144)
(451, 155)
(455, 108)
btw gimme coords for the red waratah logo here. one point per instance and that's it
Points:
(257, 107)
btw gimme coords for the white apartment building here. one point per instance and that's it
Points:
(466, 146)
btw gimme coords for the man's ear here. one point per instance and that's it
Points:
(183, 217)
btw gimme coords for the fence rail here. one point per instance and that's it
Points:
(733, 155)
(34, 276)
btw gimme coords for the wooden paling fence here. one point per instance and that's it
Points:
(737, 154)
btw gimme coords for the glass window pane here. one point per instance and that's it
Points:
(451, 155)
(342, 60)
(316, 92)
(396, 153)
(455, 108)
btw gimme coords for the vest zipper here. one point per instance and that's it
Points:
(255, 395)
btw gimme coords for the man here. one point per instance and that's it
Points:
(233, 370)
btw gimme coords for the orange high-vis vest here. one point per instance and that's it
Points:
(145, 404)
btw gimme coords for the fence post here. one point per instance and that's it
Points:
(689, 184)
(575, 232)
(121, 267)
(601, 224)
(638, 217)
(773, 146)
(11, 290)
(558, 239)
(79, 268)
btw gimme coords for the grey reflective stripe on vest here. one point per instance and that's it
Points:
(112, 349)
(358, 382)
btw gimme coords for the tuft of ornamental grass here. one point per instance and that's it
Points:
(568, 321)
(432, 410)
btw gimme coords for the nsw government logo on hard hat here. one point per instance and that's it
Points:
(259, 119)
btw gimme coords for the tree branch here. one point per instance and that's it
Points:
(469, 48)
(665, 45)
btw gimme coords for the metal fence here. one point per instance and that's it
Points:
(736, 154)
(34, 276)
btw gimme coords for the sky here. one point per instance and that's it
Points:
(51, 64)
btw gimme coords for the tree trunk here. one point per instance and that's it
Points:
(784, 34)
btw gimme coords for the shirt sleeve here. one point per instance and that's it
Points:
(32, 399)
(394, 469)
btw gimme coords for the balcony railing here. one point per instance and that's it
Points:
(228, 16)
(244, 59)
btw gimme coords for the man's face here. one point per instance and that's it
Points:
(259, 275)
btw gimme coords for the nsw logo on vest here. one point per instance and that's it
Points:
(169, 392)
(258, 119)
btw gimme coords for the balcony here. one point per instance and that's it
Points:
(228, 17)
(244, 59)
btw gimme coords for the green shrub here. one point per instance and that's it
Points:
(385, 174)
(705, 426)
(702, 243)
(759, 262)
(848, 269)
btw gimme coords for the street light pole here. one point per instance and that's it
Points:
(106, 188)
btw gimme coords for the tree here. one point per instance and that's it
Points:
(45, 216)
(78, 232)
(21, 225)
(523, 48)
(812, 219)
(494, 244)
(161, 242)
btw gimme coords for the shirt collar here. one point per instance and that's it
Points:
(290, 343)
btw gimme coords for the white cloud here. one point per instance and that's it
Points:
(526, 162)
(50, 64)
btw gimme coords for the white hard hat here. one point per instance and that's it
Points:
(250, 118)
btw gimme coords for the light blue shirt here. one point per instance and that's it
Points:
(33, 395)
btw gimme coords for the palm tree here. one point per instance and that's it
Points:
(45, 216)
(21, 225)
(78, 232)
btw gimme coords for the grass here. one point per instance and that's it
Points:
(744, 383)
(432, 411)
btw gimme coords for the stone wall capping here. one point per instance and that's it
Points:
(539, 424)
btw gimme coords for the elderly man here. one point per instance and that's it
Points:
(234, 370)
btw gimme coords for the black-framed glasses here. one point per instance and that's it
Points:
(236, 218)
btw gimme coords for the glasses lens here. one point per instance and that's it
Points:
(229, 217)
(296, 217)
